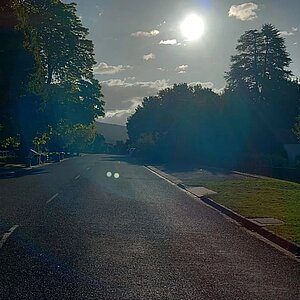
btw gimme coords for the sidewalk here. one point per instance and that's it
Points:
(6, 169)
(11, 170)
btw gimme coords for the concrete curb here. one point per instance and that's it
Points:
(274, 238)
(23, 170)
(16, 172)
(28, 169)
(171, 178)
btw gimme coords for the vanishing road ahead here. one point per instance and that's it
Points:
(68, 231)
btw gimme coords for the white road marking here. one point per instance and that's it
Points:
(7, 234)
(77, 177)
(52, 198)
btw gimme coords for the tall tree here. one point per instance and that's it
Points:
(261, 62)
(17, 65)
(61, 89)
(275, 59)
(245, 69)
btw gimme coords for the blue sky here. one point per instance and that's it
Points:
(140, 49)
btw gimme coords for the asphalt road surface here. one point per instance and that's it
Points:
(72, 231)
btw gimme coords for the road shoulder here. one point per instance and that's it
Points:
(203, 194)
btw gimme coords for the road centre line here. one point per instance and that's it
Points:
(52, 198)
(7, 234)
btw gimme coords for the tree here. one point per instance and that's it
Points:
(71, 57)
(60, 89)
(177, 125)
(260, 64)
(260, 77)
(17, 65)
(275, 59)
(244, 69)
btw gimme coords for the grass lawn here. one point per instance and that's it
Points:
(255, 198)
(258, 197)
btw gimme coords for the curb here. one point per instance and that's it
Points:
(22, 170)
(171, 178)
(274, 238)
(28, 169)
(15, 172)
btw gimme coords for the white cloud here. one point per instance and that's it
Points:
(219, 91)
(168, 42)
(244, 12)
(130, 78)
(119, 114)
(295, 29)
(123, 96)
(149, 56)
(103, 68)
(113, 82)
(156, 85)
(161, 69)
(145, 33)
(182, 69)
(286, 33)
(206, 84)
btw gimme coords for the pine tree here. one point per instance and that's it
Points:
(260, 64)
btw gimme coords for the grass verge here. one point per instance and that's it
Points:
(257, 197)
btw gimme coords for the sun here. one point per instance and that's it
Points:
(192, 27)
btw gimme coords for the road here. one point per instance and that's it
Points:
(69, 231)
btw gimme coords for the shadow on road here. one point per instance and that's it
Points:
(123, 158)
(21, 173)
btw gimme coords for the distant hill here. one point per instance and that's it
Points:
(112, 132)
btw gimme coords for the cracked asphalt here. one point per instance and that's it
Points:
(84, 235)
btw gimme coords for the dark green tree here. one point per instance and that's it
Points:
(178, 124)
(59, 89)
(261, 63)
(17, 65)
(244, 73)
(260, 77)
(274, 58)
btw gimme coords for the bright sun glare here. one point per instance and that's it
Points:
(192, 27)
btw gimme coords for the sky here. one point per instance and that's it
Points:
(140, 48)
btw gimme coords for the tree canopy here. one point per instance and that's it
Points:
(251, 120)
(46, 72)
(261, 59)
